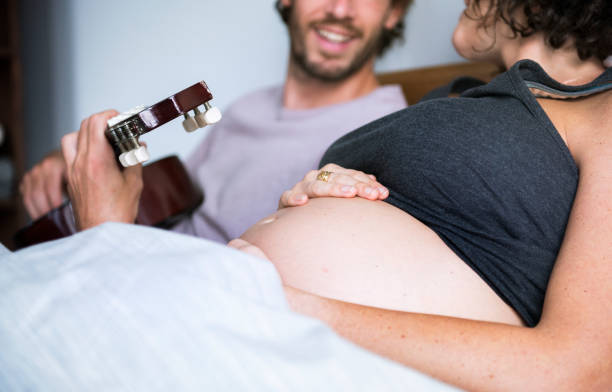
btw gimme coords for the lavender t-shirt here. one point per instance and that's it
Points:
(261, 149)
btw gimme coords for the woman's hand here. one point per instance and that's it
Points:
(100, 192)
(333, 181)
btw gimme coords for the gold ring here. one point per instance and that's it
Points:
(324, 175)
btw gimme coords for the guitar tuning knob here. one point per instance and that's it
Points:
(199, 117)
(134, 157)
(122, 159)
(128, 159)
(212, 115)
(141, 154)
(190, 124)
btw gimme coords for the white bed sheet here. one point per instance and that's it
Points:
(123, 307)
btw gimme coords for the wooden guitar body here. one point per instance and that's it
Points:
(168, 195)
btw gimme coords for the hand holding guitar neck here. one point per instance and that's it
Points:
(102, 192)
(99, 191)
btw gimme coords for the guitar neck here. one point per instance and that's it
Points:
(174, 106)
(125, 129)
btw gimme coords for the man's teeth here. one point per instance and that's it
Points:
(334, 37)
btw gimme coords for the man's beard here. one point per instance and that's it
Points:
(337, 74)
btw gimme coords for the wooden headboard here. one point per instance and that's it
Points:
(417, 82)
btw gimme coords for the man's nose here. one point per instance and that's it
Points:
(341, 9)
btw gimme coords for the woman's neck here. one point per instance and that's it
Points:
(561, 64)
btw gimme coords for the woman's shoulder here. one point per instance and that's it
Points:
(587, 127)
(597, 122)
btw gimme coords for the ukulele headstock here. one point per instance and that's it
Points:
(124, 129)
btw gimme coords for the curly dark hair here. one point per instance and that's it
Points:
(588, 23)
(388, 35)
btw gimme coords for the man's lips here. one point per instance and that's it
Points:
(334, 36)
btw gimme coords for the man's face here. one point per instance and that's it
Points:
(332, 39)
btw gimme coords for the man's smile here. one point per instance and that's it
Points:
(333, 36)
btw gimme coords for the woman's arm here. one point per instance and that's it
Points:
(571, 347)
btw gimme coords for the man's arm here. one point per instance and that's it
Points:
(571, 347)
(99, 190)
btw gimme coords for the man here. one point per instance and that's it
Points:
(270, 138)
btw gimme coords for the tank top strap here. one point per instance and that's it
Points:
(543, 86)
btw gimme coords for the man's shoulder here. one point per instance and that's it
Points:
(380, 102)
(388, 96)
(270, 95)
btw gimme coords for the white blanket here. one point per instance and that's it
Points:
(122, 307)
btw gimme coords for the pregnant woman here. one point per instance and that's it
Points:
(489, 263)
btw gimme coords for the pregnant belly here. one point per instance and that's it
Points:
(374, 254)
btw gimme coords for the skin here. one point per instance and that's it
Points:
(99, 191)
(360, 22)
(42, 188)
(571, 347)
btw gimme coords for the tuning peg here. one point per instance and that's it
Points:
(199, 117)
(190, 124)
(212, 115)
(130, 158)
(141, 154)
(134, 157)
(122, 160)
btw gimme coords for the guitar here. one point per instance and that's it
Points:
(168, 193)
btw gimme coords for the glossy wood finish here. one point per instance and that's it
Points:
(57, 223)
(175, 106)
(166, 110)
(168, 195)
(416, 83)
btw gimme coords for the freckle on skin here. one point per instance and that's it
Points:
(403, 336)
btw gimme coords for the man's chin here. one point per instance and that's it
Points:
(332, 75)
(328, 73)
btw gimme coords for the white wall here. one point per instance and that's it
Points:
(119, 54)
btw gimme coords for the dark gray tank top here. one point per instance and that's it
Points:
(488, 172)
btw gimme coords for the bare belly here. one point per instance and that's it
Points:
(374, 254)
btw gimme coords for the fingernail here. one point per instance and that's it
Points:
(368, 190)
(383, 190)
(300, 198)
(347, 189)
